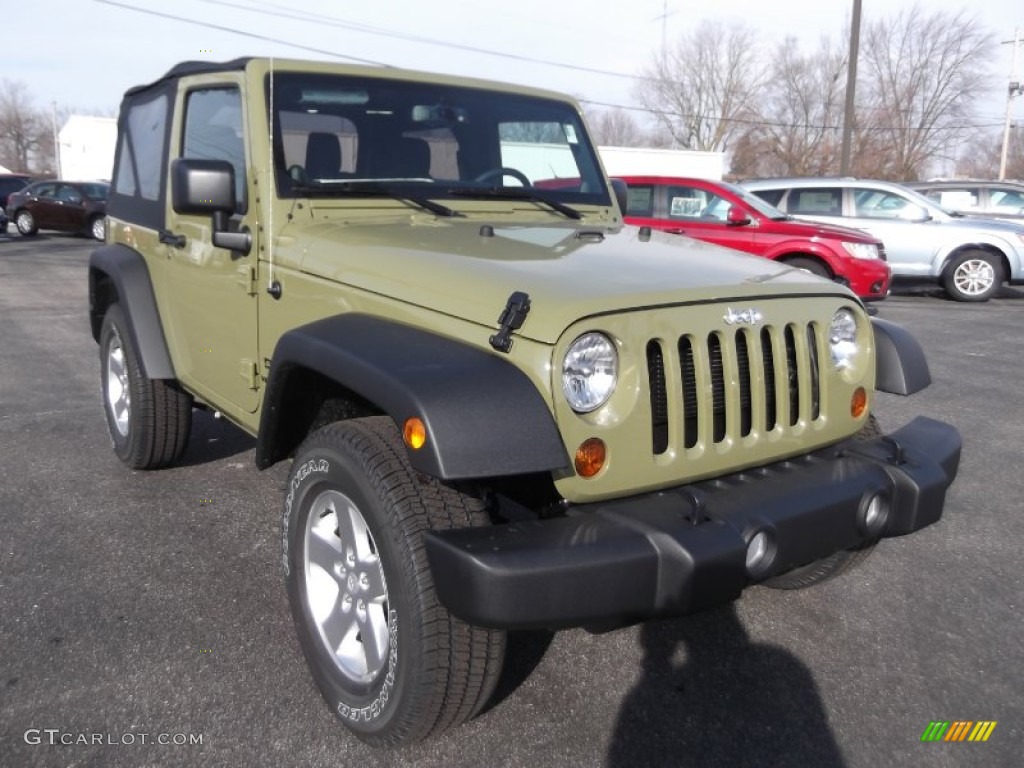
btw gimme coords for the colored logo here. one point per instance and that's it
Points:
(958, 730)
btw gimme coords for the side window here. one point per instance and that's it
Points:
(46, 191)
(68, 194)
(815, 201)
(640, 200)
(213, 131)
(141, 150)
(685, 202)
(770, 196)
(961, 199)
(1007, 201)
(880, 204)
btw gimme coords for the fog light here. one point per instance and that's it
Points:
(590, 457)
(758, 552)
(875, 515)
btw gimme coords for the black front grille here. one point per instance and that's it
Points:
(734, 384)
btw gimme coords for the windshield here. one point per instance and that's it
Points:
(755, 202)
(334, 135)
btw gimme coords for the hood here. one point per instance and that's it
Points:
(798, 227)
(570, 271)
(981, 224)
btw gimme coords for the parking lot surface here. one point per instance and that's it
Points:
(147, 607)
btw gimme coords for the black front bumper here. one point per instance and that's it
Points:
(684, 549)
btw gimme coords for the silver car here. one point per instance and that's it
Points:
(991, 199)
(970, 257)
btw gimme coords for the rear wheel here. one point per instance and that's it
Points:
(98, 228)
(149, 419)
(389, 659)
(835, 564)
(973, 276)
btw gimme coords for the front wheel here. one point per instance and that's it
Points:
(98, 228)
(389, 659)
(25, 223)
(973, 276)
(829, 567)
(149, 419)
(813, 266)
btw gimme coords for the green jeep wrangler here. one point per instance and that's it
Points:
(503, 408)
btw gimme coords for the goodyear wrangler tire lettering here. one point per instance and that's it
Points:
(391, 662)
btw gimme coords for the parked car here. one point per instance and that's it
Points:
(970, 257)
(10, 182)
(726, 214)
(990, 199)
(68, 206)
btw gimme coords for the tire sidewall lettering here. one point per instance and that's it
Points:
(305, 470)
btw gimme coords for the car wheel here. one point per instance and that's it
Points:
(25, 223)
(973, 276)
(389, 659)
(149, 420)
(829, 567)
(98, 228)
(813, 266)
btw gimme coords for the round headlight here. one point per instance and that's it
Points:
(842, 339)
(589, 372)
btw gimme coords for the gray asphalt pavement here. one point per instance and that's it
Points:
(140, 607)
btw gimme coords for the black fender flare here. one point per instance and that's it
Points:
(127, 269)
(483, 415)
(900, 363)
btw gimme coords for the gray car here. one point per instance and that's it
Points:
(990, 199)
(971, 257)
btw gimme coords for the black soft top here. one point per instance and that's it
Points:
(193, 68)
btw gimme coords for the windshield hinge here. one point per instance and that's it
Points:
(511, 319)
(247, 278)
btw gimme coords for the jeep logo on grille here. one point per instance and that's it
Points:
(748, 316)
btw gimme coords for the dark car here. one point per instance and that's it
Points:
(68, 206)
(10, 182)
(991, 199)
(725, 214)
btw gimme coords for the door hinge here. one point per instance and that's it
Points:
(247, 278)
(250, 372)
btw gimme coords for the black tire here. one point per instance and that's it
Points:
(829, 567)
(813, 266)
(25, 223)
(422, 670)
(149, 420)
(973, 276)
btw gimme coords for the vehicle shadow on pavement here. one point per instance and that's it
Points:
(732, 702)
(524, 652)
(213, 439)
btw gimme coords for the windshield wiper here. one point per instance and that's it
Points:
(517, 193)
(371, 189)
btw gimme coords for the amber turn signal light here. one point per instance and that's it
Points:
(414, 433)
(590, 457)
(858, 403)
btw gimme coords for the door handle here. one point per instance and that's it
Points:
(676, 231)
(169, 238)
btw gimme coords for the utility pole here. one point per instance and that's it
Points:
(851, 87)
(1015, 89)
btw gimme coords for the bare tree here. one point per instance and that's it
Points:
(801, 115)
(616, 128)
(26, 134)
(979, 157)
(921, 74)
(702, 90)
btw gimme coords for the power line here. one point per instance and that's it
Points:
(252, 35)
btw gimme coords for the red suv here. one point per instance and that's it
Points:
(725, 214)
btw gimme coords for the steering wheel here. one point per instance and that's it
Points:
(502, 172)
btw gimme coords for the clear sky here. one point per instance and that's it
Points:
(83, 54)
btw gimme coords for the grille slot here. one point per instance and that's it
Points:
(659, 397)
(734, 384)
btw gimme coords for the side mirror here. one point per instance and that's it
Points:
(737, 217)
(208, 186)
(621, 192)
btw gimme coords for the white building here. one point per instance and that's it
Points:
(87, 148)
